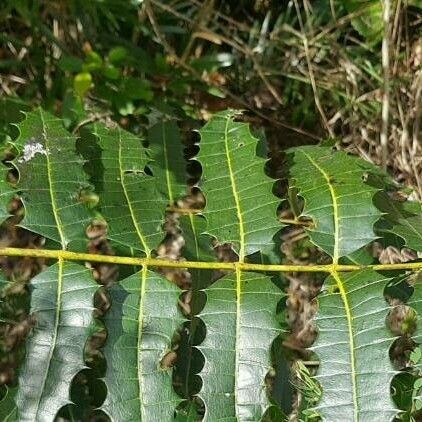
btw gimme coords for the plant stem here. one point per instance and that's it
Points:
(243, 266)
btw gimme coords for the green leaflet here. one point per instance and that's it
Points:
(403, 219)
(51, 181)
(240, 207)
(62, 302)
(352, 344)
(410, 229)
(10, 112)
(8, 409)
(336, 198)
(169, 166)
(197, 248)
(415, 302)
(6, 195)
(368, 21)
(240, 320)
(141, 322)
(129, 199)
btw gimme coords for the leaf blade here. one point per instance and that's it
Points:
(236, 348)
(141, 324)
(235, 185)
(335, 181)
(62, 300)
(352, 345)
(130, 201)
(169, 165)
(50, 187)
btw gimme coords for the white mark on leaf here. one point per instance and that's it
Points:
(31, 149)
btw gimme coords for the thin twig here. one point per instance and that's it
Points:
(295, 222)
(94, 118)
(311, 72)
(201, 19)
(386, 85)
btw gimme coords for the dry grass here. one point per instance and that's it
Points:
(367, 96)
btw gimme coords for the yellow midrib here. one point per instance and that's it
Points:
(143, 280)
(235, 196)
(166, 164)
(335, 207)
(140, 332)
(349, 318)
(241, 256)
(237, 347)
(129, 204)
(50, 182)
(194, 235)
(56, 325)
